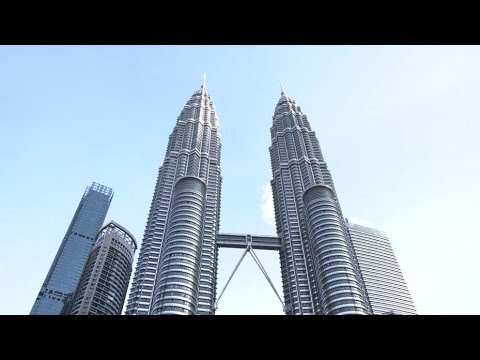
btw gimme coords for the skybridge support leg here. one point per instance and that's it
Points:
(257, 260)
(262, 269)
(233, 273)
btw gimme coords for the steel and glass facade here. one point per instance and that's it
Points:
(177, 265)
(66, 269)
(104, 282)
(176, 288)
(319, 270)
(384, 282)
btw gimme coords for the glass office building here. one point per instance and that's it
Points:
(383, 279)
(66, 269)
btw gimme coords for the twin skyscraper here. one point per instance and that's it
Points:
(328, 265)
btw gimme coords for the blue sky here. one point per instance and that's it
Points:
(398, 126)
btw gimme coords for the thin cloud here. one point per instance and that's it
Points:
(266, 207)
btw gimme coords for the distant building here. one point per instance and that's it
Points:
(386, 288)
(66, 269)
(104, 281)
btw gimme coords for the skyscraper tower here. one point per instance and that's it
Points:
(177, 265)
(104, 281)
(319, 269)
(64, 274)
(386, 288)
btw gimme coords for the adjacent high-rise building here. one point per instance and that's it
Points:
(104, 282)
(66, 269)
(177, 264)
(384, 282)
(319, 270)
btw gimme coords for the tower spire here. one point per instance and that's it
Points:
(204, 80)
(281, 88)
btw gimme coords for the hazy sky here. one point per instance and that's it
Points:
(398, 126)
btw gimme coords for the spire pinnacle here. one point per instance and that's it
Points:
(204, 80)
(281, 88)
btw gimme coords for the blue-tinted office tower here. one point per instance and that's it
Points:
(64, 274)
